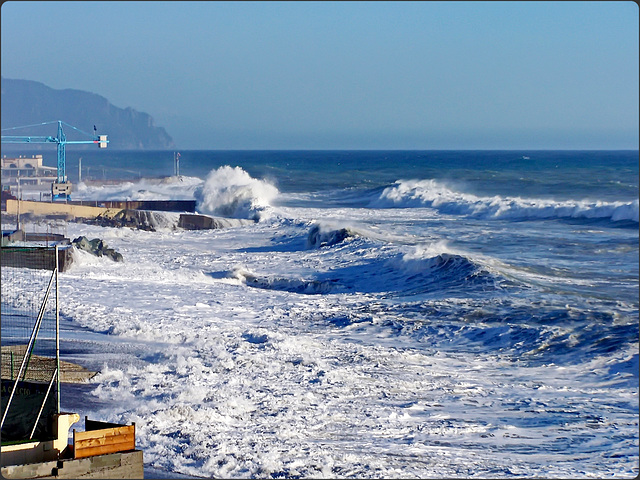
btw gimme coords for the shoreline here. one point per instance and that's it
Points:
(69, 372)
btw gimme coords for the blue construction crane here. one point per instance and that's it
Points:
(61, 188)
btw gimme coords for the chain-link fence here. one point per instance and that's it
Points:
(29, 341)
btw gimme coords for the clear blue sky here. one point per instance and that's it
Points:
(352, 75)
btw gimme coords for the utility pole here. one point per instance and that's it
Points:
(176, 163)
(18, 200)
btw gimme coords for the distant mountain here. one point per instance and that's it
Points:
(25, 102)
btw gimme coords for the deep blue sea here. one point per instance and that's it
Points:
(595, 175)
(373, 314)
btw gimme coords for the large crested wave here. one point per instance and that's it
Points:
(436, 269)
(430, 271)
(232, 192)
(434, 194)
(227, 192)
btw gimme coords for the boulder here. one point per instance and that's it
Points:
(97, 247)
(125, 218)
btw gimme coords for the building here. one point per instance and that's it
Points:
(29, 170)
(27, 178)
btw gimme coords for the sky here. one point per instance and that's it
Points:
(345, 75)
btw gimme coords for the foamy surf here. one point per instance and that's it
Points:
(232, 192)
(169, 188)
(437, 195)
(341, 338)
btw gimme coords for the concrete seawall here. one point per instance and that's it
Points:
(115, 465)
(117, 213)
(95, 208)
(44, 209)
(159, 205)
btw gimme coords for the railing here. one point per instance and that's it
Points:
(30, 344)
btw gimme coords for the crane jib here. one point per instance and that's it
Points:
(61, 187)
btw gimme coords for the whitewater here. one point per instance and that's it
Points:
(368, 315)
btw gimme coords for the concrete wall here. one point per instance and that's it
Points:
(160, 205)
(36, 257)
(114, 465)
(197, 222)
(90, 209)
(44, 209)
(10, 237)
(23, 454)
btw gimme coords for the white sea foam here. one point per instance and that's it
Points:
(232, 192)
(242, 352)
(226, 192)
(434, 194)
(169, 188)
(164, 220)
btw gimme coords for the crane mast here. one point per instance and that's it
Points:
(61, 188)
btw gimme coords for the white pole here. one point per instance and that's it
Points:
(80, 170)
(18, 200)
(57, 332)
(35, 425)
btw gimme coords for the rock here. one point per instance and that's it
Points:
(125, 218)
(97, 247)
(113, 255)
(82, 243)
(318, 237)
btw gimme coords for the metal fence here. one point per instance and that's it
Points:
(29, 338)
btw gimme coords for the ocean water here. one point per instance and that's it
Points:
(366, 314)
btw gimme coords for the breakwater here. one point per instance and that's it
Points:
(158, 205)
(135, 214)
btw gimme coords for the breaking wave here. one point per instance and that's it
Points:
(161, 220)
(326, 236)
(427, 271)
(293, 285)
(433, 194)
(422, 272)
(232, 192)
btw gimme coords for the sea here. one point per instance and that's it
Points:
(364, 314)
